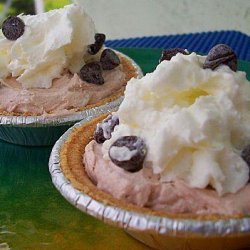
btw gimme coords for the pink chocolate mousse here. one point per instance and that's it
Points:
(144, 189)
(67, 94)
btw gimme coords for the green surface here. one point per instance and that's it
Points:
(52, 4)
(28, 6)
(148, 59)
(33, 214)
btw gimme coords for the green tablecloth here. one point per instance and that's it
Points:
(33, 215)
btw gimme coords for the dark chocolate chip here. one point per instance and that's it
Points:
(245, 154)
(109, 60)
(136, 146)
(169, 53)
(13, 28)
(100, 38)
(105, 128)
(221, 54)
(92, 73)
(95, 47)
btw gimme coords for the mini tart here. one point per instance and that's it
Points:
(130, 71)
(71, 155)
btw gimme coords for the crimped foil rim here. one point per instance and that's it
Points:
(130, 220)
(41, 121)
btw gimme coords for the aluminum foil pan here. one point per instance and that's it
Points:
(156, 231)
(40, 130)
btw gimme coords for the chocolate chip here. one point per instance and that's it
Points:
(109, 60)
(245, 154)
(13, 28)
(99, 41)
(169, 53)
(221, 54)
(128, 152)
(92, 73)
(103, 130)
(94, 48)
(100, 38)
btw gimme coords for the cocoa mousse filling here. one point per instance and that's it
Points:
(144, 189)
(68, 94)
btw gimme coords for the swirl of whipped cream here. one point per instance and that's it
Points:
(194, 121)
(51, 42)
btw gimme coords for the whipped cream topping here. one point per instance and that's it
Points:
(194, 121)
(51, 42)
(105, 126)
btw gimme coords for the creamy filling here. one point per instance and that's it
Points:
(145, 189)
(67, 94)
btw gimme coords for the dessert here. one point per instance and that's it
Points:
(178, 144)
(55, 64)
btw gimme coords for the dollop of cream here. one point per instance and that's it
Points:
(51, 42)
(194, 121)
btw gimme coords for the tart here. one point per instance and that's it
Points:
(54, 69)
(157, 229)
(173, 160)
(55, 73)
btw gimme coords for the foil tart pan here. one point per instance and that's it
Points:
(158, 232)
(44, 131)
